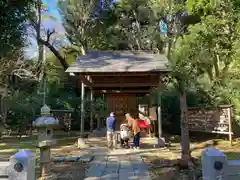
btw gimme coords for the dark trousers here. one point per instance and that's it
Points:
(136, 140)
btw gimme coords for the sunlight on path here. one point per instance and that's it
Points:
(119, 164)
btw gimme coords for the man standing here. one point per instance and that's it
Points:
(111, 135)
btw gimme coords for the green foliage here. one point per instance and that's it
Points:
(204, 62)
(214, 45)
(79, 23)
(13, 28)
(23, 108)
(12, 35)
(171, 107)
(135, 26)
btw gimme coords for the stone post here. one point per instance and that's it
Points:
(214, 165)
(22, 165)
(45, 160)
(82, 109)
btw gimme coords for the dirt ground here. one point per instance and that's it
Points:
(68, 171)
(64, 147)
(165, 163)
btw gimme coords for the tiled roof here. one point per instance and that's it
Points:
(119, 61)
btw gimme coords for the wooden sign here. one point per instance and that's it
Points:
(212, 120)
(143, 111)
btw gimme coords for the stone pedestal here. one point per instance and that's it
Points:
(160, 142)
(22, 165)
(214, 165)
(45, 159)
(81, 143)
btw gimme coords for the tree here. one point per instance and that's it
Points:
(82, 11)
(133, 25)
(215, 40)
(12, 19)
(79, 21)
(43, 36)
(13, 35)
(206, 53)
(12, 42)
(183, 74)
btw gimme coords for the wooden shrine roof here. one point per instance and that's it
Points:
(119, 61)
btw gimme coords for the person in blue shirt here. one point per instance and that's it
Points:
(111, 135)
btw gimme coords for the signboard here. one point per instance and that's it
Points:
(212, 120)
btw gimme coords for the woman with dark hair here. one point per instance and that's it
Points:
(133, 123)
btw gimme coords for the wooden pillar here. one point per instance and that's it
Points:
(91, 112)
(159, 115)
(82, 108)
(148, 108)
(230, 125)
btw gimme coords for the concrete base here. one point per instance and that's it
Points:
(48, 177)
(81, 143)
(160, 142)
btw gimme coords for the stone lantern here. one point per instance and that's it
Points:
(45, 125)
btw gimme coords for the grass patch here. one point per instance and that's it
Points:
(13, 148)
(9, 146)
(232, 152)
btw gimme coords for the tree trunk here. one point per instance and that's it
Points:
(185, 143)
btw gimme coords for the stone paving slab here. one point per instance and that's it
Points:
(117, 165)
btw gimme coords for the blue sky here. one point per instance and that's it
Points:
(53, 11)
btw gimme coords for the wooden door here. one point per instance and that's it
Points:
(121, 104)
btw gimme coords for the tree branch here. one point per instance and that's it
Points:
(55, 52)
(49, 34)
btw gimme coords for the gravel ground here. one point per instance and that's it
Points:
(69, 171)
(173, 173)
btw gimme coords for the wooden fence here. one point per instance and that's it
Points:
(64, 117)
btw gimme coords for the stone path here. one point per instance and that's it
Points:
(118, 165)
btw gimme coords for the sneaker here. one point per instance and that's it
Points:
(135, 148)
